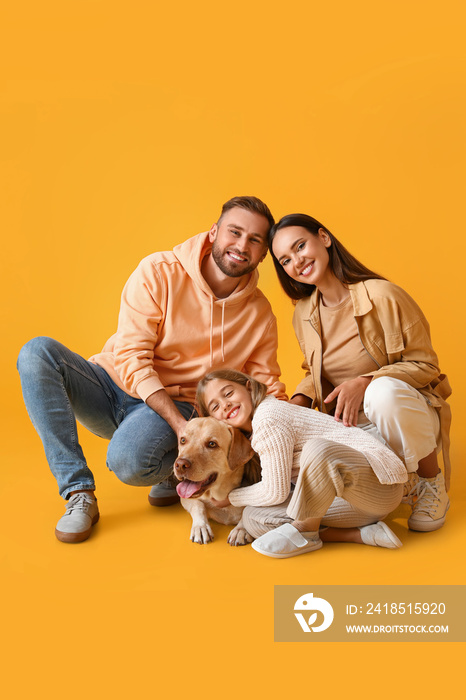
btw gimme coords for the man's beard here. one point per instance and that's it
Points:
(227, 266)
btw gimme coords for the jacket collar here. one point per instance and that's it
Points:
(360, 298)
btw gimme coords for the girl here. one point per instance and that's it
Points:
(314, 471)
(368, 356)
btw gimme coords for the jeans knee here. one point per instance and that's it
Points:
(124, 466)
(33, 352)
(137, 467)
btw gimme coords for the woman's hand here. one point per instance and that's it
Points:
(221, 504)
(349, 397)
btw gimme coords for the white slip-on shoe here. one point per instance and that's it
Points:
(380, 535)
(431, 503)
(82, 512)
(286, 541)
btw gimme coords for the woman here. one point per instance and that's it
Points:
(368, 356)
(313, 471)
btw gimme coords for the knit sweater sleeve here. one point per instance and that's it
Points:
(274, 443)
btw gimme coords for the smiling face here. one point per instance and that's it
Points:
(239, 241)
(303, 255)
(229, 401)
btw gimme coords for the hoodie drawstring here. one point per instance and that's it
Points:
(223, 325)
(212, 332)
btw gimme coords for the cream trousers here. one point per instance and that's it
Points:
(401, 417)
(335, 483)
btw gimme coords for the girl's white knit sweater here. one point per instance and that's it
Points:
(279, 432)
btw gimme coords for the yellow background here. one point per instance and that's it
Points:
(124, 126)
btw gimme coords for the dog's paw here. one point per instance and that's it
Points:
(201, 534)
(239, 536)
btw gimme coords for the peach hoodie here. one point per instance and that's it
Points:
(172, 329)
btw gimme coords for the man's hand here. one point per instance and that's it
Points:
(161, 403)
(349, 397)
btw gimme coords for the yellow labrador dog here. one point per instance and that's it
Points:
(213, 458)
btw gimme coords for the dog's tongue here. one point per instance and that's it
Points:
(186, 488)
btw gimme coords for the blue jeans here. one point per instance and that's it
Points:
(59, 387)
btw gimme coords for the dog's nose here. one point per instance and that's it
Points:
(182, 465)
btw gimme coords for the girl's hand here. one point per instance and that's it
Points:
(221, 504)
(349, 397)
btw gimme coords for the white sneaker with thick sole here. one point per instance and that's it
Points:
(430, 504)
(82, 512)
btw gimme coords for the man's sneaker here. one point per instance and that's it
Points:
(164, 494)
(81, 514)
(430, 504)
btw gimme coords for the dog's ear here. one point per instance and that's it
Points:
(240, 450)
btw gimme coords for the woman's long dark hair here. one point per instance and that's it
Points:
(344, 266)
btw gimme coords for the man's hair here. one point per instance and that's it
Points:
(251, 204)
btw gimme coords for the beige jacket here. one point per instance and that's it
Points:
(396, 335)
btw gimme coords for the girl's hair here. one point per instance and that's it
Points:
(257, 389)
(344, 266)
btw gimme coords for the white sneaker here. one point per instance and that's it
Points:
(380, 535)
(430, 505)
(82, 512)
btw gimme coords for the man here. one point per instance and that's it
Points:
(182, 313)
